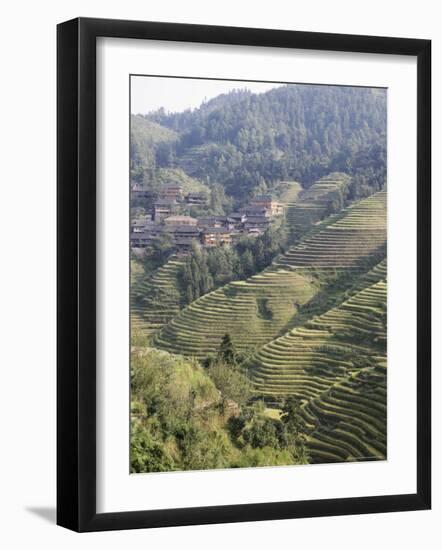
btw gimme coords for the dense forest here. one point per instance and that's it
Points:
(246, 142)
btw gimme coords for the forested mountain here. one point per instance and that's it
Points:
(248, 141)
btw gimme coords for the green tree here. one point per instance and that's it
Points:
(295, 429)
(227, 350)
(231, 382)
(148, 454)
(248, 263)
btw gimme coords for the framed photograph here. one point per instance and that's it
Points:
(243, 274)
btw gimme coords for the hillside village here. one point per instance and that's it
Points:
(169, 216)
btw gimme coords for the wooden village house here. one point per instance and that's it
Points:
(267, 202)
(214, 236)
(196, 198)
(171, 191)
(163, 208)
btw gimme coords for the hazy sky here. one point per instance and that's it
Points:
(177, 94)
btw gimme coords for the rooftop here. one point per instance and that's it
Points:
(179, 219)
(216, 219)
(164, 202)
(141, 235)
(216, 230)
(185, 229)
(255, 209)
(142, 221)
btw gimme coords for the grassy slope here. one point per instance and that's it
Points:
(177, 176)
(145, 133)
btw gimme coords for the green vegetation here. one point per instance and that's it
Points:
(176, 176)
(272, 350)
(248, 142)
(237, 307)
(207, 269)
(325, 197)
(184, 418)
(348, 421)
(145, 137)
(155, 298)
(266, 305)
(309, 359)
(359, 232)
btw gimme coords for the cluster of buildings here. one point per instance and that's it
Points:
(209, 231)
(170, 199)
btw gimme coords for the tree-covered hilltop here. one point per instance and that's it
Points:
(248, 141)
(144, 139)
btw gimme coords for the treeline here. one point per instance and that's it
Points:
(207, 269)
(248, 141)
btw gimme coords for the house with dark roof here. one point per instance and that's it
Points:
(209, 221)
(141, 239)
(251, 210)
(141, 225)
(238, 218)
(257, 222)
(217, 221)
(180, 220)
(171, 191)
(163, 208)
(266, 201)
(140, 193)
(184, 236)
(213, 236)
(186, 231)
(199, 198)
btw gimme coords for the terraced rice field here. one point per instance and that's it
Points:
(155, 300)
(256, 309)
(314, 203)
(308, 360)
(378, 273)
(262, 307)
(289, 197)
(348, 421)
(361, 231)
(259, 308)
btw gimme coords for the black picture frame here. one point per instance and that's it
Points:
(76, 274)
